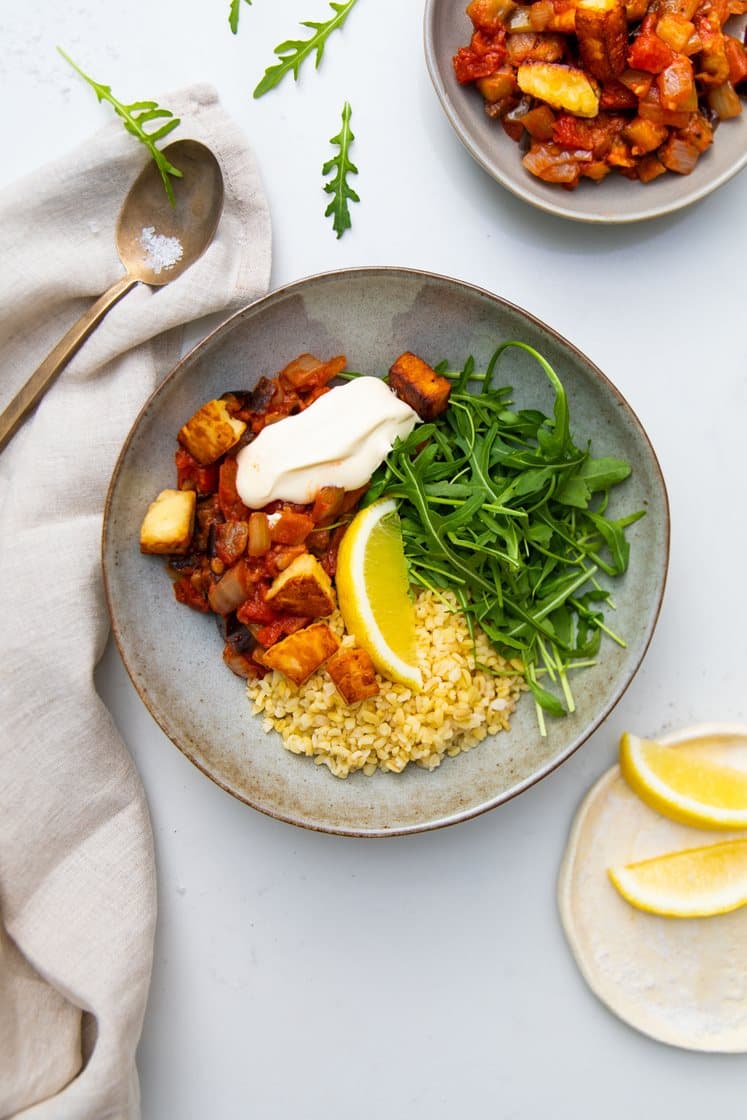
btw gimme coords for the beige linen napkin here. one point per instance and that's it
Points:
(77, 881)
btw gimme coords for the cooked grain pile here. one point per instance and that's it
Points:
(457, 708)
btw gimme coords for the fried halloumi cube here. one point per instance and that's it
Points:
(602, 30)
(560, 86)
(417, 384)
(300, 654)
(354, 675)
(211, 432)
(169, 523)
(304, 588)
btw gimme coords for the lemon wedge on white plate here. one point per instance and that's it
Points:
(373, 592)
(701, 788)
(679, 980)
(692, 883)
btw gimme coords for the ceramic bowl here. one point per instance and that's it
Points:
(173, 655)
(615, 199)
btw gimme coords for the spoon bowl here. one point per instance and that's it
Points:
(156, 243)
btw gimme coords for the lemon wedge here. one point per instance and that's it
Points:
(694, 883)
(373, 592)
(688, 788)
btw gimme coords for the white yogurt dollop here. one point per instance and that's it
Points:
(339, 440)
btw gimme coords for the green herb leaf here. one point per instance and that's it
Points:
(293, 52)
(501, 507)
(340, 166)
(135, 117)
(233, 14)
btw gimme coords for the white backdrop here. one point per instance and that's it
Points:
(299, 974)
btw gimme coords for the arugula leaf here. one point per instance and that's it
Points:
(293, 52)
(135, 117)
(501, 507)
(338, 186)
(233, 15)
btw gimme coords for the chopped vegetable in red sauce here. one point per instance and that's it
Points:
(592, 86)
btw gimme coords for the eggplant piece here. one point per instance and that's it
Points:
(240, 398)
(262, 395)
(235, 633)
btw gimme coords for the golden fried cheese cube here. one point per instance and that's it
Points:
(560, 86)
(211, 432)
(417, 384)
(602, 30)
(354, 675)
(304, 588)
(298, 655)
(169, 522)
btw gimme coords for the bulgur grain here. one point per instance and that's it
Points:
(457, 708)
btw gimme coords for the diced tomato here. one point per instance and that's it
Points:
(191, 475)
(481, 58)
(255, 609)
(291, 527)
(274, 631)
(191, 594)
(231, 505)
(593, 136)
(649, 52)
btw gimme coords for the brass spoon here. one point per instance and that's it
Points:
(156, 242)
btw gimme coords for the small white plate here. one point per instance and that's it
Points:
(678, 980)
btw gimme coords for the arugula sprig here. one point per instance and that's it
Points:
(233, 14)
(501, 507)
(135, 117)
(293, 52)
(338, 185)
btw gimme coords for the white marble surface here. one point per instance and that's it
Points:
(304, 975)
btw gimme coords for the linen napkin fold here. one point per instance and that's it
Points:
(77, 878)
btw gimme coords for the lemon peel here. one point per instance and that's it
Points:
(692, 883)
(689, 789)
(373, 592)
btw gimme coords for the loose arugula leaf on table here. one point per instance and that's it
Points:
(233, 14)
(135, 117)
(338, 186)
(501, 507)
(294, 52)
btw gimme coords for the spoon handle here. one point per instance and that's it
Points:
(57, 359)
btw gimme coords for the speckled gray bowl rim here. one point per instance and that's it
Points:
(511, 174)
(470, 811)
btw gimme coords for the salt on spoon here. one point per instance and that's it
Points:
(160, 251)
(156, 243)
